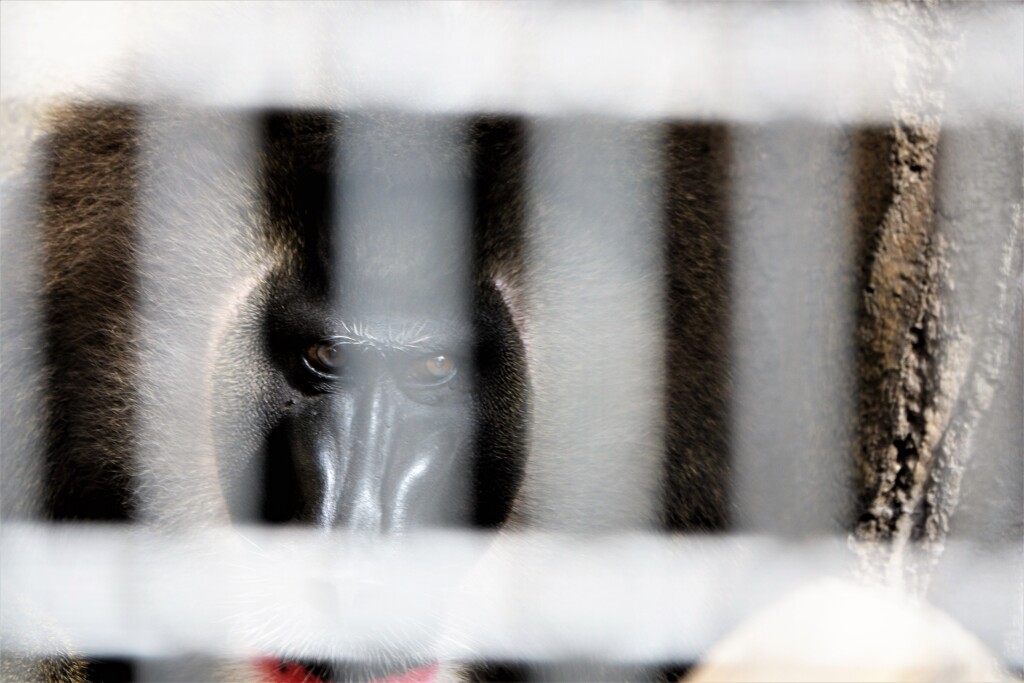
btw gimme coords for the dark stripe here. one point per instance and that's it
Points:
(89, 242)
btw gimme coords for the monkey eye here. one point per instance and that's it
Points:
(431, 371)
(327, 357)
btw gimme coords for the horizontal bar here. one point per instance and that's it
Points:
(445, 595)
(740, 61)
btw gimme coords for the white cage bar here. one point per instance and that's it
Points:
(445, 595)
(595, 258)
(728, 61)
(793, 329)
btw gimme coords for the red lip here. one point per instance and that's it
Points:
(421, 674)
(278, 671)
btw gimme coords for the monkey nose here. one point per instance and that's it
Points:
(360, 468)
(363, 504)
(340, 452)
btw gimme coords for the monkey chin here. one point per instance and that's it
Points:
(285, 671)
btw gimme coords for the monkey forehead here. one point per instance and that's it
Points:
(403, 289)
(430, 321)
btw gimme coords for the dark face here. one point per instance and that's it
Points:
(383, 443)
(376, 429)
(373, 381)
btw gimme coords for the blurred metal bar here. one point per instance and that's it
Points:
(402, 217)
(22, 361)
(173, 670)
(595, 334)
(979, 405)
(450, 596)
(726, 61)
(793, 330)
(403, 250)
(196, 234)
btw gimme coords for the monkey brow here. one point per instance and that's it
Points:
(405, 336)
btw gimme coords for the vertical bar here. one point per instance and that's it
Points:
(403, 230)
(194, 668)
(403, 251)
(21, 352)
(197, 228)
(976, 493)
(792, 330)
(595, 339)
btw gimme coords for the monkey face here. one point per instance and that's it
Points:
(382, 442)
(382, 381)
(375, 433)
